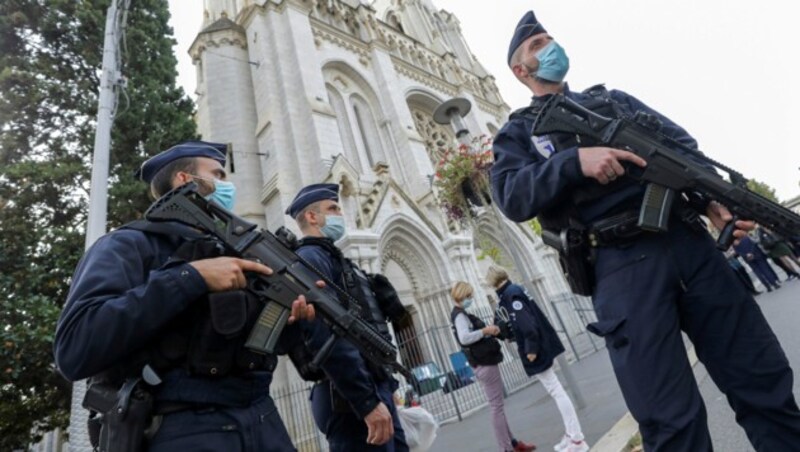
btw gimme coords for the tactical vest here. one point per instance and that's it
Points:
(564, 214)
(485, 352)
(358, 285)
(207, 339)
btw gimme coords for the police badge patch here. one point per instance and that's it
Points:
(543, 145)
(517, 305)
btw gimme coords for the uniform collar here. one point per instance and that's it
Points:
(503, 288)
(540, 99)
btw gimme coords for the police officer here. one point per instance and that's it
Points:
(538, 346)
(143, 295)
(352, 404)
(648, 286)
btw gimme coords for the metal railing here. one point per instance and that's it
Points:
(446, 385)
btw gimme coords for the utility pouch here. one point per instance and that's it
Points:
(123, 415)
(573, 253)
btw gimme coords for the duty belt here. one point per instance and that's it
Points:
(623, 227)
(615, 229)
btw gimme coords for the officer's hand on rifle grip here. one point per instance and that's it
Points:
(605, 164)
(301, 310)
(731, 227)
(227, 273)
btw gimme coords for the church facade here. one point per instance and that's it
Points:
(310, 91)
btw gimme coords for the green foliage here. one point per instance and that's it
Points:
(487, 249)
(50, 57)
(762, 189)
(535, 226)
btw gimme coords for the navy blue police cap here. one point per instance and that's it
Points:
(311, 194)
(151, 166)
(527, 27)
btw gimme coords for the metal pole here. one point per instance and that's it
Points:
(564, 329)
(98, 196)
(98, 193)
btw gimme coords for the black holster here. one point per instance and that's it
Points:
(574, 255)
(120, 416)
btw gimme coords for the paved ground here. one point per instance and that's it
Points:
(534, 417)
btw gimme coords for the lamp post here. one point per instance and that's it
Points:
(111, 79)
(452, 112)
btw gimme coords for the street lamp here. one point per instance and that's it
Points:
(452, 112)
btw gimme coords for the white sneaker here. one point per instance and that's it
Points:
(577, 446)
(562, 444)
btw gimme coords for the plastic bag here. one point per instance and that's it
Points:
(420, 427)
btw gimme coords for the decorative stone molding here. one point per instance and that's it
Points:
(269, 189)
(323, 32)
(425, 78)
(217, 39)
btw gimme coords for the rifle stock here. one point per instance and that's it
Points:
(292, 276)
(669, 163)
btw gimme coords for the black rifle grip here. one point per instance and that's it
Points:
(726, 238)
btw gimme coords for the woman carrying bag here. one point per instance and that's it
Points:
(538, 345)
(482, 349)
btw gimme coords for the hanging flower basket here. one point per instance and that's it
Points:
(476, 192)
(462, 178)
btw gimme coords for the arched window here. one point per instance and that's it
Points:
(357, 112)
(343, 121)
(367, 130)
(394, 22)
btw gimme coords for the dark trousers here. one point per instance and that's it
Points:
(256, 428)
(345, 431)
(764, 272)
(650, 290)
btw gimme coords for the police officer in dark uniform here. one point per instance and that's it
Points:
(352, 401)
(647, 286)
(160, 301)
(538, 346)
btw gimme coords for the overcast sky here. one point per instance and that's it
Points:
(726, 70)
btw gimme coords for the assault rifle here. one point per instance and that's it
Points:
(672, 167)
(292, 276)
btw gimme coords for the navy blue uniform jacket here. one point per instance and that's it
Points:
(525, 181)
(120, 298)
(533, 332)
(345, 367)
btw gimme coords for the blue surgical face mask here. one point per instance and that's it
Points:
(334, 227)
(467, 303)
(553, 63)
(224, 192)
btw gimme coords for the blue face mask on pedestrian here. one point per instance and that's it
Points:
(553, 63)
(467, 302)
(334, 227)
